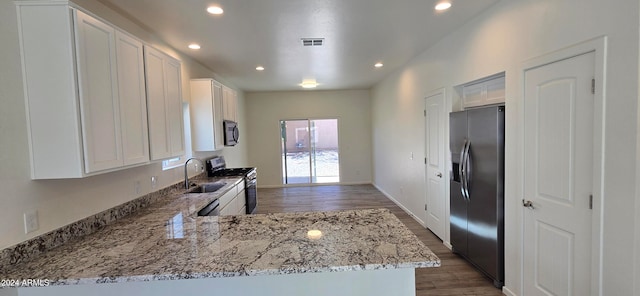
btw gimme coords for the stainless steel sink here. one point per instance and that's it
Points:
(207, 187)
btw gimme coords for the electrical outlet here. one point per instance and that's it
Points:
(154, 182)
(31, 221)
(137, 187)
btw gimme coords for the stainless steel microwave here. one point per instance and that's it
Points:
(231, 133)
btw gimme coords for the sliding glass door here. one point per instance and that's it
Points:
(310, 151)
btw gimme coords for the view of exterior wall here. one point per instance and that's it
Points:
(322, 136)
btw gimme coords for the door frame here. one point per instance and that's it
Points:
(597, 45)
(446, 107)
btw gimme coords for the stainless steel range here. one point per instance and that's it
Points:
(217, 167)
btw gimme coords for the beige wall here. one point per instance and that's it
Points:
(60, 202)
(325, 135)
(501, 39)
(352, 108)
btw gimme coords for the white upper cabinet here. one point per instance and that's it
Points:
(206, 115)
(229, 103)
(83, 103)
(484, 92)
(174, 106)
(133, 99)
(98, 85)
(164, 103)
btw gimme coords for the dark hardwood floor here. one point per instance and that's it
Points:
(454, 277)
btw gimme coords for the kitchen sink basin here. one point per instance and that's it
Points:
(207, 187)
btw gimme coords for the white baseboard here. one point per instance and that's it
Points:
(401, 206)
(448, 245)
(508, 292)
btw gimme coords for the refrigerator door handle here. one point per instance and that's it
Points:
(461, 170)
(467, 169)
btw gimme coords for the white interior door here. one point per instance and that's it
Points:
(435, 164)
(558, 177)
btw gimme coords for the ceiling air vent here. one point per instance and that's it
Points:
(312, 41)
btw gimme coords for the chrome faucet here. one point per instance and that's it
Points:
(186, 176)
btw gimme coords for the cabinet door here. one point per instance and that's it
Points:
(174, 106)
(218, 128)
(488, 92)
(157, 110)
(206, 115)
(229, 210)
(241, 201)
(202, 111)
(494, 91)
(133, 104)
(98, 89)
(473, 95)
(229, 103)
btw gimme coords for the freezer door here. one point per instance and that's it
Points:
(485, 175)
(457, 135)
(458, 203)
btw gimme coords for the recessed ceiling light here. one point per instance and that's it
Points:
(378, 65)
(308, 83)
(194, 46)
(215, 10)
(443, 6)
(260, 68)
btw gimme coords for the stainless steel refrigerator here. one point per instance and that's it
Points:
(477, 188)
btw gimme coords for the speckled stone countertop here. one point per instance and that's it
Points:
(167, 241)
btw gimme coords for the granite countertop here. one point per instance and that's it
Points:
(167, 241)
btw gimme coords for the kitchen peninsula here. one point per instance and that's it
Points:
(166, 249)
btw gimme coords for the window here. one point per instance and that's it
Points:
(310, 151)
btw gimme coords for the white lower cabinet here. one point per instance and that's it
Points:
(240, 203)
(233, 202)
(84, 92)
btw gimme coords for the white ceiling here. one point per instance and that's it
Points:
(357, 34)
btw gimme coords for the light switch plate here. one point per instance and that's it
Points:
(31, 223)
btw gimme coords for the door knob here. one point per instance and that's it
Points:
(527, 204)
(439, 175)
